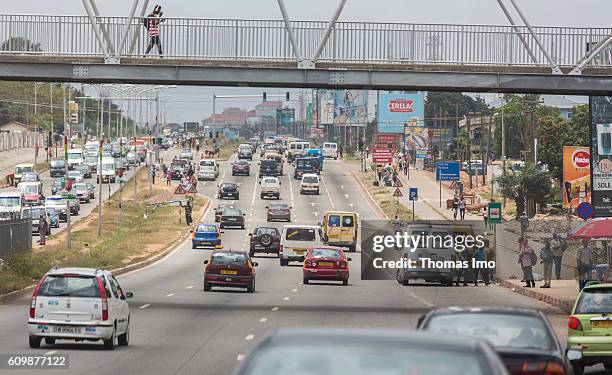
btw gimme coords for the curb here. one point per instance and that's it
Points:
(12, 296)
(566, 306)
(364, 188)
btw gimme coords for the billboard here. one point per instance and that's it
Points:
(397, 109)
(327, 106)
(601, 155)
(382, 155)
(350, 107)
(416, 138)
(576, 176)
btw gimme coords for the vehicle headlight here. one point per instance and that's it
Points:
(64, 211)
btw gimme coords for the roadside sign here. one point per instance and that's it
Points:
(121, 180)
(398, 183)
(447, 171)
(585, 210)
(494, 212)
(413, 194)
(398, 193)
(382, 155)
(68, 196)
(421, 154)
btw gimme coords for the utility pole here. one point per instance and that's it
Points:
(68, 226)
(468, 149)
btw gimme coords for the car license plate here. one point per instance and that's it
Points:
(602, 323)
(71, 330)
(229, 272)
(231, 219)
(326, 264)
(299, 251)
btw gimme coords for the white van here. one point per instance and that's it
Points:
(75, 157)
(295, 241)
(208, 169)
(330, 150)
(108, 170)
(310, 184)
(11, 204)
(297, 150)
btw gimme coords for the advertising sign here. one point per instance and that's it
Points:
(416, 138)
(576, 176)
(387, 140)
(494, 212)
(601, 155)
(397, 110)
(327, 106)
(350, 107)
(447, 171)
(381, 155)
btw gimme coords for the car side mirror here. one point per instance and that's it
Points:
(190, 231)
(573, 355)
(206, 261)
(349, 259)
(129, 295)
(255, 264)
(243, 214)
(420, 321)
(222, 231)
(280, 183)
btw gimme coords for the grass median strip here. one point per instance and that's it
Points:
(384, 198)
(143, 229)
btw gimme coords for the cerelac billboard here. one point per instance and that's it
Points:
(576, 176)
(397, 109)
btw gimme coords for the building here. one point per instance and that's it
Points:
(232, 116)
(267, 109)
(14, 126)
(479, 131)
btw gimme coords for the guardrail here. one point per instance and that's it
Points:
(267, 40)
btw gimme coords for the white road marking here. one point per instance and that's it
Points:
(249, 337)
(315, 213)
(263, 320)
(294, 290)
(328, 194)
(254, 195)
(351, 205)
(346, 196)
(342, 187)
(169, 295)
(286, 298)
(145, 306)
(291, 190)
(240, 357)
(189, 287)
(312, 204)
(275, 309)
(51, 352)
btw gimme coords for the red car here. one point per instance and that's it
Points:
(233, 269)
(326, 263)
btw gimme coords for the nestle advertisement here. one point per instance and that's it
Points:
(601, 155)
(576, 176)
(398, 109)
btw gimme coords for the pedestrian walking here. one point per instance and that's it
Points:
(557, 251)
(462, 207)
(152, 23)
(547, 257)
(455, 207)
(42, 229)
(479, 256)
(340, 151)
(527, 259)
(460, 257)
(153, 174)
(601, 261)
(524, 222)
(406, 164)
(490, 258)
(584, 263)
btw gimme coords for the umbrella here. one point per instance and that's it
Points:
(600, 227)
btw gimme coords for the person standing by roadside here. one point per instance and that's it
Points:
(479, 256)
(152, 24)
(489, 257)
(557, 252)
(188, 213)
(524, 222)
(584, 263)
(462, 207)
(42, 229)
(455, 207)
(526, 256)
(546, 255)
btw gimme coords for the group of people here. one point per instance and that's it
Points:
(479, 254)
(459, 206)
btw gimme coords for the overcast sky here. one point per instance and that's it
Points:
(197, 103)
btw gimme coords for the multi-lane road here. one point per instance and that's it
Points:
(177, 328)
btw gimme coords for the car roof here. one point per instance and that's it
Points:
(489, 310)
(288, 226)
(310, 175)
(75, 270)
(24, 165)
(229, 251)
(10, 194)
(264, 227)
(30, 183)
(372, 338)
(598, 286)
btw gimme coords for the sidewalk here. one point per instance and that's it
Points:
(562, 293)
(10, 158)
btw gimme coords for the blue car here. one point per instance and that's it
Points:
(206, 235)
(53, 217)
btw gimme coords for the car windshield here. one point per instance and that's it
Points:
(228, 258)
(595, 301)
(108, 167)
(322, 358)
(310, 179)
(270, 231)
(325, 253)
(72, 156)
(229, 186)
(28, 189)
(29, 177)
(21, 170)
(207, 163)
(304, 163)
(501, 330)
(80, 186)
(300, 234)
(186, 151)
(57, 163)
(55, 201)
(74, 174)
(9, 201)
(279, 206)
(33, 213)
(206, 228)
(72, 286)
(231, 212)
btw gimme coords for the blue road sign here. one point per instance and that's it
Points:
(413, 194)
(447, 171)
(585, 210)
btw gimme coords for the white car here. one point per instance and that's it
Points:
(310, 184)
(79, 304)
(186, 153)
(295, 241)
(270, 187)
(209, 169)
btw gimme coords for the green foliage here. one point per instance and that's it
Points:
(20, 44)
(451, 104)
(531, 183)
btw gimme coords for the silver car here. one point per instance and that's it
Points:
(186, 153)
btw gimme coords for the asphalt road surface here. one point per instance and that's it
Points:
(177, 328)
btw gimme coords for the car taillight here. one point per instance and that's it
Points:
(574, 323)
(341, 264)
(313, 264)
(280, 250)
(34, 296)
(554, 368)
(104, 299)
(193, 235)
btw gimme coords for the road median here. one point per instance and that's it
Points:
(144, 232)
(382, 197)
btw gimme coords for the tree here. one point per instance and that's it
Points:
(20, 44)
(531, 183)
